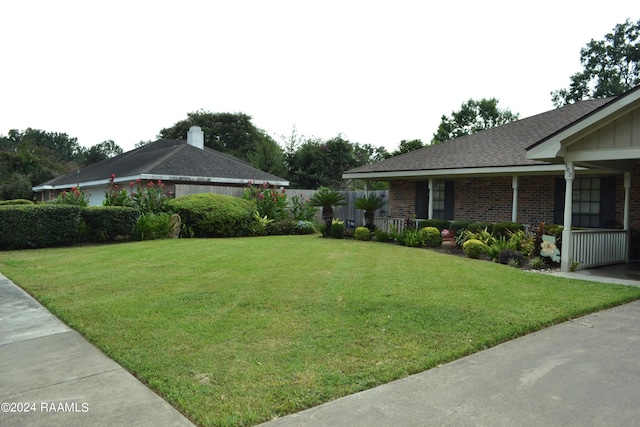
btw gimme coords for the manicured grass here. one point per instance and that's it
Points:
(238, 331)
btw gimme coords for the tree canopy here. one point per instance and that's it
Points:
(231, 133)
(473, 116)
(611, 66)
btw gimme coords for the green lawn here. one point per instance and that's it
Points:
(238, 331)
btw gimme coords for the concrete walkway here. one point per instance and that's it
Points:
(56, 375)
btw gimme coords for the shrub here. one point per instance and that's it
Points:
(214, 215)
(477, 226)
(337, 230)
(306, 227)
(509, 257)
(456, 226)
(536, 263)
(381, 236)
(412, 238)
(269, 200)
(432, 237)
(151, 226)
(38, 226)
(16, 202)
(440, 224)
(473, 248)
(106, 223)
(75, 197)
(496, 246)
(363, 233)
(301, 209)
(506, 228)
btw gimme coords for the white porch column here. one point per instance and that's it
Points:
(366, 187)
(567, 243)
(627, 203)
(514, 208)
(430, 212)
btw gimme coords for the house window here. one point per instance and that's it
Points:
(438, 200)
(593, 202)
(443, 198)
(586, 202)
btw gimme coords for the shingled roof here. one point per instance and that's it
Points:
(499, 147)
(168, 160)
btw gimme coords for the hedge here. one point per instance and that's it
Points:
(440, 224)
(38, 226)
(108, 223)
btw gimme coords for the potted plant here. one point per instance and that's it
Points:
(448, 239)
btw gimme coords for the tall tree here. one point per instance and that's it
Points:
(99, 152)
(268, 156)
(231, 133)
(611, 66)
(473, 116)
(407, 146)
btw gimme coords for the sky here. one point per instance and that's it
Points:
(374, 72)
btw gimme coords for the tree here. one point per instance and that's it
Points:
(473, 116)
(268, 156)
(327, 199)
(407, 146)
(100, 152)
(611, 66)
(370, 204)
(231, 133)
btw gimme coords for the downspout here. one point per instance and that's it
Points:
(567, 239)
(514, 208)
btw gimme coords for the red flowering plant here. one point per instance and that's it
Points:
(447, 234)
(301, 209)
(269, 200)
(75, 197)
(114, 195)
(150, 198)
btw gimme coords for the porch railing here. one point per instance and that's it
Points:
(592, 248)
(385, 223)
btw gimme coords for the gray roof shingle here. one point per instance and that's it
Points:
(497, 147)
(174, 159)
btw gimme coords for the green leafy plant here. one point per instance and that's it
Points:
(151, 226)
(270, 201)
(363, 233)
(302, 209)
(327, 199)
(474, 248)
(536, 262)
(432, 237)
(337, 229)
(382, 236)
(370, 203)
(75, 197)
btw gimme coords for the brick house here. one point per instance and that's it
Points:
(578, 165)
(185, 167)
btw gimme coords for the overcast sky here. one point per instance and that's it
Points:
(376, 72)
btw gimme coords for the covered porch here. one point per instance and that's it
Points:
(607, 139)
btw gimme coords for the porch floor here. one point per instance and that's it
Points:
(623, 274)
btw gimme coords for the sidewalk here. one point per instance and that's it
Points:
(61, 379)
(584, 372)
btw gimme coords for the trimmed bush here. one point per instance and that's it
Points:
(474, 227)
(16, 202)
(440, 224)
(363, 233)
(503, 228)
(474, 248)
(432, 237)
(214, 215)
(456, 226)
(337, 230)
(38, 226)
(108, 223)
(382, 236)
(508, 256)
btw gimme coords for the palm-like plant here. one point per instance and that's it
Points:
(369, 204)
(327, 199)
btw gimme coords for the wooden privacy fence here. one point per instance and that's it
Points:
(347, 212)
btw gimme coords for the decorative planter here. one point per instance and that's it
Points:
(448, 243)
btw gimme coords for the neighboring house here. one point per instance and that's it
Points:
(578, 165)
(185, 167)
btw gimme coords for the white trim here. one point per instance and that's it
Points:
(553, 148)
(461, 172)
(167, 178)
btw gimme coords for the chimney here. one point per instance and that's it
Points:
(195, 137)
